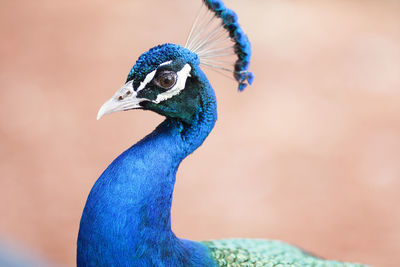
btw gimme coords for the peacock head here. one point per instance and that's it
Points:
(165, 80)
(168, 80)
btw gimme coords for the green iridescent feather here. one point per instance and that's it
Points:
(265, 253)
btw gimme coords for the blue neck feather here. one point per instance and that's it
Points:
(127, 219)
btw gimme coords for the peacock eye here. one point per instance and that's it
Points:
(166, 79)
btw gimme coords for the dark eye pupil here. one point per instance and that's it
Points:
(167, 80)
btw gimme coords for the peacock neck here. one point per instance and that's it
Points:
(127, 217)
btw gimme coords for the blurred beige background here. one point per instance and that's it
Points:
(310, 154)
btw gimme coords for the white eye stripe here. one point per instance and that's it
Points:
(146, 80)
(183, 74)
(150, 76)
(165, 63)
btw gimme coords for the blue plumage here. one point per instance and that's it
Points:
(151, 59)
(126, 220)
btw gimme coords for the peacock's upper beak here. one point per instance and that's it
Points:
(125, 98)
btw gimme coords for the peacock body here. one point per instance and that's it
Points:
(127, 217)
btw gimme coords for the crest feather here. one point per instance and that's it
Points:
(220, 43)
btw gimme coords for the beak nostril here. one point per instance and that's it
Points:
(120, 98)
(128, 93)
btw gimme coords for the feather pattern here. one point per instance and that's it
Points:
(219, 41)
(266, 253)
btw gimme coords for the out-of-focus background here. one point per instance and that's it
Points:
(310, 154)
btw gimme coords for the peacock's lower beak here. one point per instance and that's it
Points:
(125, 98)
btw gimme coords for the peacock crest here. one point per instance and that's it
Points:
(219, 41)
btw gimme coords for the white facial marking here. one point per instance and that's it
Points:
(166, 63)
(148, 79)
(126, 98)
(150, 76)
(178, 87)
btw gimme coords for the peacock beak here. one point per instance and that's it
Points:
(125, 98)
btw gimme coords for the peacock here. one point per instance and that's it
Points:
(127, 217)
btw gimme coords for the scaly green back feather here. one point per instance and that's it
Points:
(265, 253)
